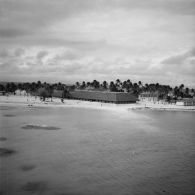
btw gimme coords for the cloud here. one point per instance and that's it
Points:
(175, 6)
(180, 58)
(70, 55)
(26, 17)
(101, 39)
(41, 54)
(11, 32)
(4, 66)
(4, 53)
(69, 64)
(19, 52)
(180, 67)
(175, 60)
(67, 55)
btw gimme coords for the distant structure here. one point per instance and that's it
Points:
(103, 96)
(2, 93)
(186, 102)
(149, 96)
(21, 92)
(57, 93)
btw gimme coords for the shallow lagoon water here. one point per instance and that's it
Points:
(97, 152)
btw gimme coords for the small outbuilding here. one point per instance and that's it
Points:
(57, 93)
(20, 92)
(186, 102)
(2, 92)
(149, 96)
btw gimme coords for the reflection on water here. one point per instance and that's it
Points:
(97, 152)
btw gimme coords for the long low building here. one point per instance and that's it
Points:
(103, 96)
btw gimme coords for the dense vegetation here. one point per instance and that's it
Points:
(164, 91)
(137, 88)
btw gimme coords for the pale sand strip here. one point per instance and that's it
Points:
(32, 101)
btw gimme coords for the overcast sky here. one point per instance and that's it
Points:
(70, 40)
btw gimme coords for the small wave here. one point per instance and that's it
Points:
(40, 127)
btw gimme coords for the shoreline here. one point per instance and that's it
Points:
(32, 101)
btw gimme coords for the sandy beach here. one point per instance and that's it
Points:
(35, 101)
(56, 148)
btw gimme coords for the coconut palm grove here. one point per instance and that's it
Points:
(45, 89)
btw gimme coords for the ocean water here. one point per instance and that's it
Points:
(74, 151)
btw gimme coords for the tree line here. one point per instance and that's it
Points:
(164, 91)
(31, 87)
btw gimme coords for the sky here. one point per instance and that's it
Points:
(75, 40)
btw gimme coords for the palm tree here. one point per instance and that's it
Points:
(118, 82)
(176, 91)
(50, 90)
(96, 84)
(187, 92)
(33, 87)
(135, 88)
(19, 86)
(105, 85)
(124, 85)
(128, 81)
(77, 85)
(140, 86)
(157, 86)
(13, 87)
(181, 86)
(140, 83)
(26, 87)
(146, 87)
(88, 84)
(192, 91)
(2, 88)
(83, 85)
(112, 86)
(39, 84)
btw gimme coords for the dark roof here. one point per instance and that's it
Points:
(103, 96)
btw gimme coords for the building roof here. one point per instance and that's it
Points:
(103, 96)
